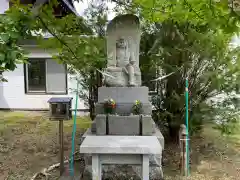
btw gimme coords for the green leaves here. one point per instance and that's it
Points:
(14, 26)
(196, 12)
(2, 57)
(4, 37)
(191, 38)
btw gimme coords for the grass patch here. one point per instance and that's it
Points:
(12, 119)
(29, 142)
(13, 114)
(81, 122)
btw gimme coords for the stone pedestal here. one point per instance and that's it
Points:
(155, 160)
(125, 124)
(119, 150)
(133, 125)
(148, 125)
(123, 94)
(101, 126)
(123, 138)
(156, 133)
(124, 109)
(125, 98)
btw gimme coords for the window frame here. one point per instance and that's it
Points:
(25, 66)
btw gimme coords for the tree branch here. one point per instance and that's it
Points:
(55, 35)
(140, 6)
(191, 8)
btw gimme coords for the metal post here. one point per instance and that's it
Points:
(184, 170)
(61, 147)
(187, 133)
(183, 140)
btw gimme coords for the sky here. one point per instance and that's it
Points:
(81, 6)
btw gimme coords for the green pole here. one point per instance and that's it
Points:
(73, 134)
(187, 141)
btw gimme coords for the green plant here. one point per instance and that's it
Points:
(137, 107)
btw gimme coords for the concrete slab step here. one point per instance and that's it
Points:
(70, 178)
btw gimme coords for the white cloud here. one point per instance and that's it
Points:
(81, 6)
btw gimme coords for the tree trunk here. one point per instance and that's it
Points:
(173, 128)
(91, 96)
(95, 83)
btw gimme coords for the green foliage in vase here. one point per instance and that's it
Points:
(137, 107)
(109, 106)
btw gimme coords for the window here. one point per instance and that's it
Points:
(45, 76)
(36, 76)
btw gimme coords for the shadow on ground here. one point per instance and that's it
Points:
(213, 157)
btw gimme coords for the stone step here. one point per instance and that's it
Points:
(157, 133)
(120, 150)
(70, 178)
(124, 172)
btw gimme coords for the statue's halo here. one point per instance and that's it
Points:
(124, 18)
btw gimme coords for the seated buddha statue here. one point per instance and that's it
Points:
(125, 70)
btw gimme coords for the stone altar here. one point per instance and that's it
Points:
(124, 87)
(132, 150)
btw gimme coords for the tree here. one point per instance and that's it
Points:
(77, 42)
(87, 38)
(192, 40)
(14, 25)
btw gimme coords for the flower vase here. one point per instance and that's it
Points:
(109, 109)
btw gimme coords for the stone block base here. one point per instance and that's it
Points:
(148, 125)
(123, 94)
(123, 125)
(124, 109)
(101, 126)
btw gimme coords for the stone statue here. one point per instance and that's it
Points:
(123, 40)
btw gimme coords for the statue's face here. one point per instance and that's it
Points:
(121, 43)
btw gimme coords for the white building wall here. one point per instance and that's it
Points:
(12, 93)
(4, 5)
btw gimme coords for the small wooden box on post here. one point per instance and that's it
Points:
(60, 110)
